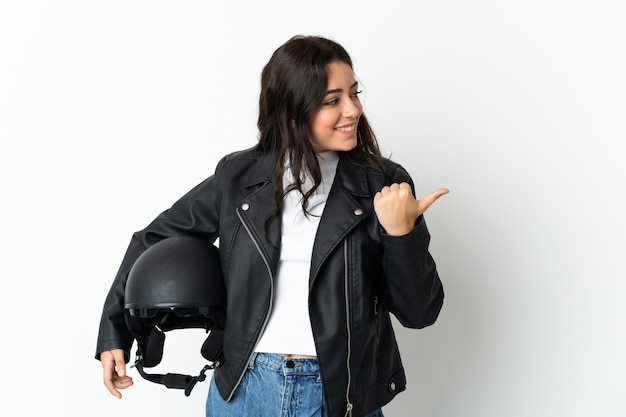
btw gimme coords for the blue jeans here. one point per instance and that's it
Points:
(274, 386)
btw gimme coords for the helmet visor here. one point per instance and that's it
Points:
(149, 313)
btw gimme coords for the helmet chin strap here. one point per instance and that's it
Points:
(212, 350)
(177, 381)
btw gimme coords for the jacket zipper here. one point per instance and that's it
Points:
(376, 316)
(349, 405)
(267, 316)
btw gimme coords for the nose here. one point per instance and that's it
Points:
(352, 109)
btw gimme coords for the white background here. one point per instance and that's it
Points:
(111, 110)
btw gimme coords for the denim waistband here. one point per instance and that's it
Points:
(284, 365)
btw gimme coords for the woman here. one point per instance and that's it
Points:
(320, 239)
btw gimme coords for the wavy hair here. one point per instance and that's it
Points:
(293, 86)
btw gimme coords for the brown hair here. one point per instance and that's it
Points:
(293, 86)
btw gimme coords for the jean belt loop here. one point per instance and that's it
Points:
(252, 360)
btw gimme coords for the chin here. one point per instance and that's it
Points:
(344, 146)
(350, 145)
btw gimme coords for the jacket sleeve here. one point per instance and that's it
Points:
(195, 214)
(414, 292)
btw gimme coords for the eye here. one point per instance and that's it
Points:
(331, 102)
(355, 95)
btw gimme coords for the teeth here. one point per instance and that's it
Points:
(346, 129)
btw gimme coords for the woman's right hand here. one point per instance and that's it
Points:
(114, 371)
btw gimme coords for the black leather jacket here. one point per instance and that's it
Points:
(358, 275)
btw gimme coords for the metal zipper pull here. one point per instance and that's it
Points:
(376, 305)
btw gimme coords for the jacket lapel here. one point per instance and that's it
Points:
(256, 207)
(342, 212)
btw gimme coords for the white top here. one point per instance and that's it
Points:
(288, 330)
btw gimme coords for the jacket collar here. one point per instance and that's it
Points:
(351, 177)
(343, 211)
(263, 170)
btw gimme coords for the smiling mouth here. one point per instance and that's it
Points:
(346, 129)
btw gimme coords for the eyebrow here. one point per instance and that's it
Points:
(339, 90)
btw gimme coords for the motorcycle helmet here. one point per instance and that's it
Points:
(176, 283)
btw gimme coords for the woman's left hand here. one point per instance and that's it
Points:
(397, 209)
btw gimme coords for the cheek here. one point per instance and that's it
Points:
(328, 117)
(324, 120)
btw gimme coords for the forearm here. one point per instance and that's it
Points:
(414, 290)
(193, 214)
